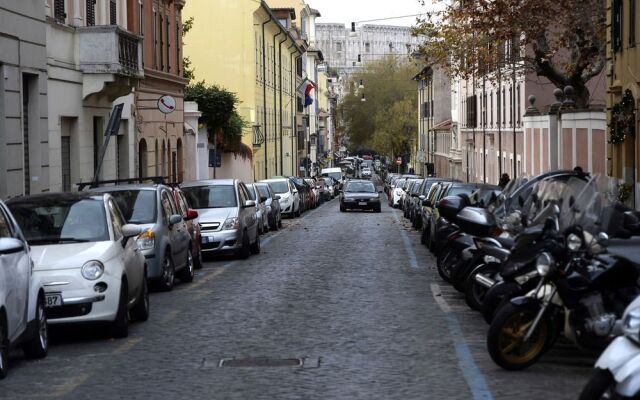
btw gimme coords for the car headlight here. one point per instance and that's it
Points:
(348, 199)
(631, 325)
(231, 223)
(574, 242)
(146, 240)
(92, 270)
(543, 264)
(374, 198)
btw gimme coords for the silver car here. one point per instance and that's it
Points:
(290, 202)
(227, 215)
(261, 208)
(272, 202)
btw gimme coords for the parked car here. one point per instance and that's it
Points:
(272, 202)
(395, 192)
(85, 254)
(193, 226)
(412, 192)
(323, 187)
(165, 241)
(405, 196)
(290, 202)
(261, 208)
(315, 191)
(23, 320)
(332, 186)
(366, 173)
(228, 217)
(416, 202)
(360, 194)
(336, 174)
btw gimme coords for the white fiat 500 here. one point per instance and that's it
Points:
(86, 257)
(23, 321)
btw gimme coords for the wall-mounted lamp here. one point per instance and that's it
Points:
(363, 99)
(361, 84)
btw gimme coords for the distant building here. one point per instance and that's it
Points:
(345, 52)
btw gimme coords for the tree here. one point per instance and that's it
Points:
(220, 115)
(563, 40)
(189, 71)
(387, 120)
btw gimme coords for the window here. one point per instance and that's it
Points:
(91, 12)
(338, 47)
(178, 42)
(116, 220)
(113, 12)
(141, 18)
(160, 22)
(632, 23)
(518, 103)
(616, 29)
(5, 230)
(167, 207)
(168, 43)
(367, 47)
(471, 111)
(137, 206)
(59, 13)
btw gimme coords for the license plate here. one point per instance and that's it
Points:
(362, 203)
(53, 299)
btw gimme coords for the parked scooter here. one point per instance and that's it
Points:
(580, 295)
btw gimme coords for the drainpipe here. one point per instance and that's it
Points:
(280, 106)
(264, 97)
(294, 112)
(275, 102)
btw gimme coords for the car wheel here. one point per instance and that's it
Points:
(255, 247)
(342, 209)
(245, 251)
(120, 326)
(197, 262)
(141, 310)
(4, 348)
(187, 273)
(280, 221)
(276, 224)
(167, 280)
(38, 345)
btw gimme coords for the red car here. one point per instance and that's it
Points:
(193, 226)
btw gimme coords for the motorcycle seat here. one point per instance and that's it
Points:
(507, 243)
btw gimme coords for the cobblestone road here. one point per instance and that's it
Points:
(355, 294)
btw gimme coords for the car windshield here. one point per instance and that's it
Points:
(60, 221)
(252, 192)
(360, 187)
(213, 196)
(456, 190)
(279, 187)
(264, 192)
(335, 175)
(137, 206)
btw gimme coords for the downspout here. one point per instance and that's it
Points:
(264, 97)
(294, 111)
(291, 130)
(281, 92)
(275, 103)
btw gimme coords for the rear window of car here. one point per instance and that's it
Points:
(360, 187)
(279, 186)
(137, 206)
(215, 196)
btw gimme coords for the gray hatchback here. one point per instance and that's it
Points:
(165, 241)
(227, 216)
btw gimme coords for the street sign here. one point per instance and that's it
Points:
(166, 104)
(399, 161)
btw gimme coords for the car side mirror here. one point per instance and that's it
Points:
(191, 215)
(379, 191)
(426, 203)
(175, 219)
(263, 199)
(10, 246)
(422, 197)
(249, 203)
(131, 230)
(294, 191)
(277, 197)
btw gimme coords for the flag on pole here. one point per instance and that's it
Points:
(305, 90)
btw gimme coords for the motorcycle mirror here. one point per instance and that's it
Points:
(603, 239)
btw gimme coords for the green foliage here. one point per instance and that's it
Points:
(188, 70)
(220, 115)
(387, 120)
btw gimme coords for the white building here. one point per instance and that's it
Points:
(24, 144)
(92, 60)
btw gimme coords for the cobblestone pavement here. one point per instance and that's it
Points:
(354, 294)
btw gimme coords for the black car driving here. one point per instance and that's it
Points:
(359, 194)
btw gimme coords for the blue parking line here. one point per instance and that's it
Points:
(472, 375)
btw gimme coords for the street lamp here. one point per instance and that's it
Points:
(363, 99)
(361, 86)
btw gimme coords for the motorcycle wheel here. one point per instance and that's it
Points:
(507, 331)
(474, 292)
(446, 266)
(601, 385)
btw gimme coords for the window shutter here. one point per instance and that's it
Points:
(113, 12)
(91, 12)
(59, 13)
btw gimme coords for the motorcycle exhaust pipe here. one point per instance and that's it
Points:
(484, 281)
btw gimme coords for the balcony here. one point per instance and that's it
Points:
(109, 49)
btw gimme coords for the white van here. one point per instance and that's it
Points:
(335, 173)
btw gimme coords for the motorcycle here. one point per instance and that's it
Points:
(581, 291)
(617, 371)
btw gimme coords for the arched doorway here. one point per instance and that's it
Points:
(179, 161)
(142, 158)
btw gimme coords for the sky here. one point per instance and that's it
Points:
(360, 10)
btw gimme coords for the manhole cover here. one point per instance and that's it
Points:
(261, 362)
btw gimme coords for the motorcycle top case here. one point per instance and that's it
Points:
(475, 221)
(450, 206)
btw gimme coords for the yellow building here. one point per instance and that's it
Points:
(247, 48)
(623, 54)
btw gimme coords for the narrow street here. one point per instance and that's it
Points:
(359, 301)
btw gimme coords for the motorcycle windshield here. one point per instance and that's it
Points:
(507, 208)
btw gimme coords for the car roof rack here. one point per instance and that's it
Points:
(156, 180)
